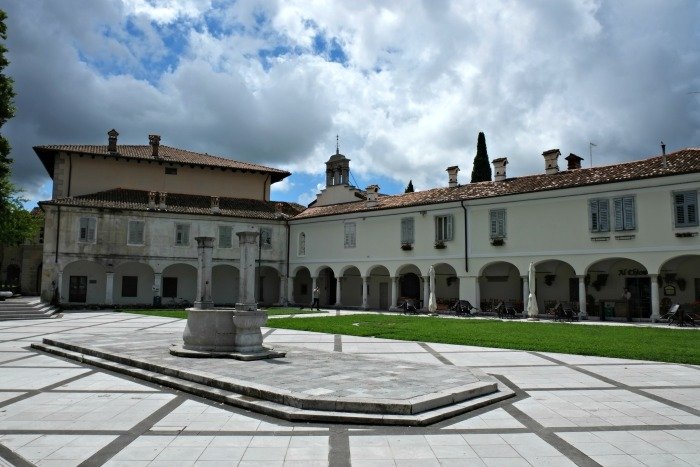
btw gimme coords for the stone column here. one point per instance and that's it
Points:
(157, 283)
(337, 292)
(526, 291)
(247, 240)
(109, 289)
(290, 290)
(364, 292)
(283, 291)
(583, 311)
(59, 284)
(205, 251)
(655, 312)
(426, 291)
(394, 291)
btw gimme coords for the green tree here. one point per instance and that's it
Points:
(482, 167)
(16, 223)
(409, 187)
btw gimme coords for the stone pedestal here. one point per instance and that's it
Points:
(247, 240)
(205, 250)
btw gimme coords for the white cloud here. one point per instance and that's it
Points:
(420, 81)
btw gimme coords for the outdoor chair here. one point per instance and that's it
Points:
(558, 310)
(409, 306)
(463, 308)
(568, 312)
(676, 315)
(510, 310)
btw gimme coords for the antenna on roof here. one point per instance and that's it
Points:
(337, 144)
(590, 151)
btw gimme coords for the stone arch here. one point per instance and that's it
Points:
(606, 280)
(446, 283)
(83, 282)
(142, 285)
(409, 278)
(225, 284)
(319, 269)
(326, 282)
(351, 287)
(179, 283)
(556, 282)
(379, 288)
(500, 281)
(679, 282)
(267, 285)
(301, 286)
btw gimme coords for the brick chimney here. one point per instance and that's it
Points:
(452, 175)
(154, 141)
(372, 195)
(551, 162)
(215, 204)
(112, 141)
(163, 198)
(499, 169)
(573, 161)
(151, 200)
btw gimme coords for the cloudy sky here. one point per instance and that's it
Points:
(407, 85)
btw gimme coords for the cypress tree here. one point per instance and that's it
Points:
(482, 167)
(409, 187)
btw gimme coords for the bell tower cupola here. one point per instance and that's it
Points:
(337, 168)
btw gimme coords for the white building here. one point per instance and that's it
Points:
(591, 232)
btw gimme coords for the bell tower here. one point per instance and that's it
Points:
(337, 168)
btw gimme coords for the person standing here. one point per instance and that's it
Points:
(315, 294)
(627, 297)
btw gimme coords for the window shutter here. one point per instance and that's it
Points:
(630, 221)
(619, 218)
(680, 215)
(449, 227)
(593, 223)
(691, 201)
(494, 225)
(91, 229)
(603, 215)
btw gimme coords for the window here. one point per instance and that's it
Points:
(599, 215)
(130, 286)
(302, 244)
(266, 237)
(497, 218)
(443, 228)
(170, 171)
(135, 234)
(87, 229)
(170, 287)
(225, 235)
(625, 218)
(686, 208)
(182, 234)
(407, 230)
(350, 235)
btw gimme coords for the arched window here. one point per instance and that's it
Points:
(302, 244)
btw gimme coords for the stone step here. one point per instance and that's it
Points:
(35, 309)
(236, 396)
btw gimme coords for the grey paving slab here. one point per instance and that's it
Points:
(568, 409)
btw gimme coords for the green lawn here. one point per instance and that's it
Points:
(170, 313)
(657, 344)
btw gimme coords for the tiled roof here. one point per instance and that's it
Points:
(679, 162)
(137, 200)
(165, 154)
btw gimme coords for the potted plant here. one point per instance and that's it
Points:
(440, 245)
(406, 246)
(497, 241)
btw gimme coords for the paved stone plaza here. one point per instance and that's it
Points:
(568, 409)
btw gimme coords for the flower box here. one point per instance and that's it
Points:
(406, 246)
(497, 242)
(440, 245)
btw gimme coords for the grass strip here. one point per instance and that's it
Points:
(170, 313)
(639, 343)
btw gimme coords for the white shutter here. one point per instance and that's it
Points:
(407, 230)
(494, 224)
(593, 219)
(619, 217)
(630, 218)
(604, 215)
(448, 228)
(502, 223)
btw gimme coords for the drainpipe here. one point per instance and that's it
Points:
(58, 230)
(289, 234)
(267, 179)
(70, 170)
(466, 233)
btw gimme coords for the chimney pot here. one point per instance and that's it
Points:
(452, 175)
(154, 141)
(499, 168)
(573, 161)
(112, 140)
(372, 195)
(551, 162)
